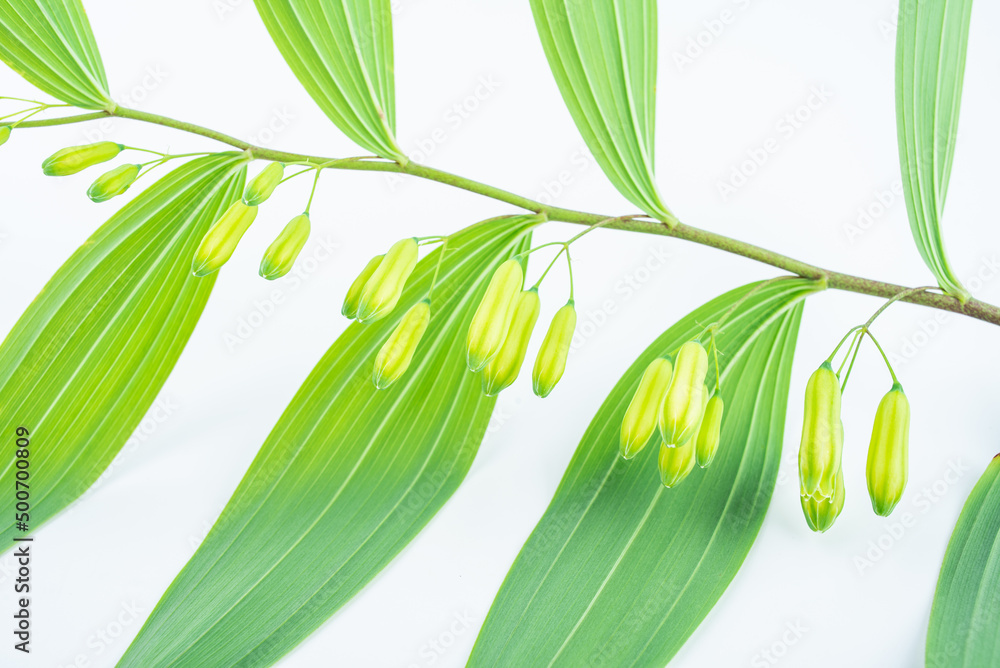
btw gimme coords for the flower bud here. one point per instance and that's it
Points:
(262, 185)
(383, 289)
(353, 297)
(501, 371)
(113, 183)
(887, 453)
(77, 158)
(684, 402)
(396, 353)
(4, 134)
(492, 319)
(822, 513)
(822, 435)
(675, 463)
(220, 241)
(280, 255)
(551, 361)
(642, 412)
(707, 441)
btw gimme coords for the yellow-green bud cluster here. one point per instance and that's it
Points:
(283, 251)
(113, 183)
(220, 241)
(501, 371)
(887, 452)
(381, 283)
(78, 158)
(353, 298)
(394, 357)
(677, 461)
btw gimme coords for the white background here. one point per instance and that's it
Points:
(121, 546)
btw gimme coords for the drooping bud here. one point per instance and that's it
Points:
(281, 254)
(394, 357)
(644, 409)
(383, 289)
(4, 134)
(501, 371)
(822, 513)
(262, 185)
(551, 361)
(822, 435)
(113, 183)
(887, 453)
(684, 402)
(492, 319)
(353, 297)
(220, 241)
(77, 158)
(677, 461)
(707, 442)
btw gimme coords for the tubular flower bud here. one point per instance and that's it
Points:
(822, 435)
(4, 134)
(684, 402)
(822, 513)
(396, 353)
(887, 453)
(501, 371)
(353, 297)
(113, 183)
(77, 158)
(676, 462)
(262, 185)
(640, 417)
(492, 319)
(707, 442)
(383, 289)
(551, 361)
(220, 241)
(281, 254)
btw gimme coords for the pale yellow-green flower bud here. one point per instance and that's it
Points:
(491, 322)
(383, 289)
(684, 402)
(642, 413)
(501, 371)
(675, 463)
(353, 297)
(822, 513)
(113, 183)
(4, 134)
(887, 453)
(262, 185)
(551, 361)
(281, 254)
(77, 158)
(707, 442)
(220, 241)
(396, 353)
(822, 435)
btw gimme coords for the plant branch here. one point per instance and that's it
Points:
(835, 280)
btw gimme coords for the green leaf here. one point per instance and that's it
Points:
(966, 610)
(341, 52)
(49, 43)
(930, 66)
(603, 57)
(346, 479)
(86, 360)
(620, 570)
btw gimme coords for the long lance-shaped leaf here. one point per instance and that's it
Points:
(49, 43)
(603, 57)
(620, 570)
(341, 52)
(346, 479)
(86, 360)
(930, 66)
(965, 618)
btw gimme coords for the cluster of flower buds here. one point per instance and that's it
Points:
(673, 397)
(374, 294)
(821, 478)
(502, 327)
(75, 159)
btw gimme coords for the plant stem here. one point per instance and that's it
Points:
(636, 223)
